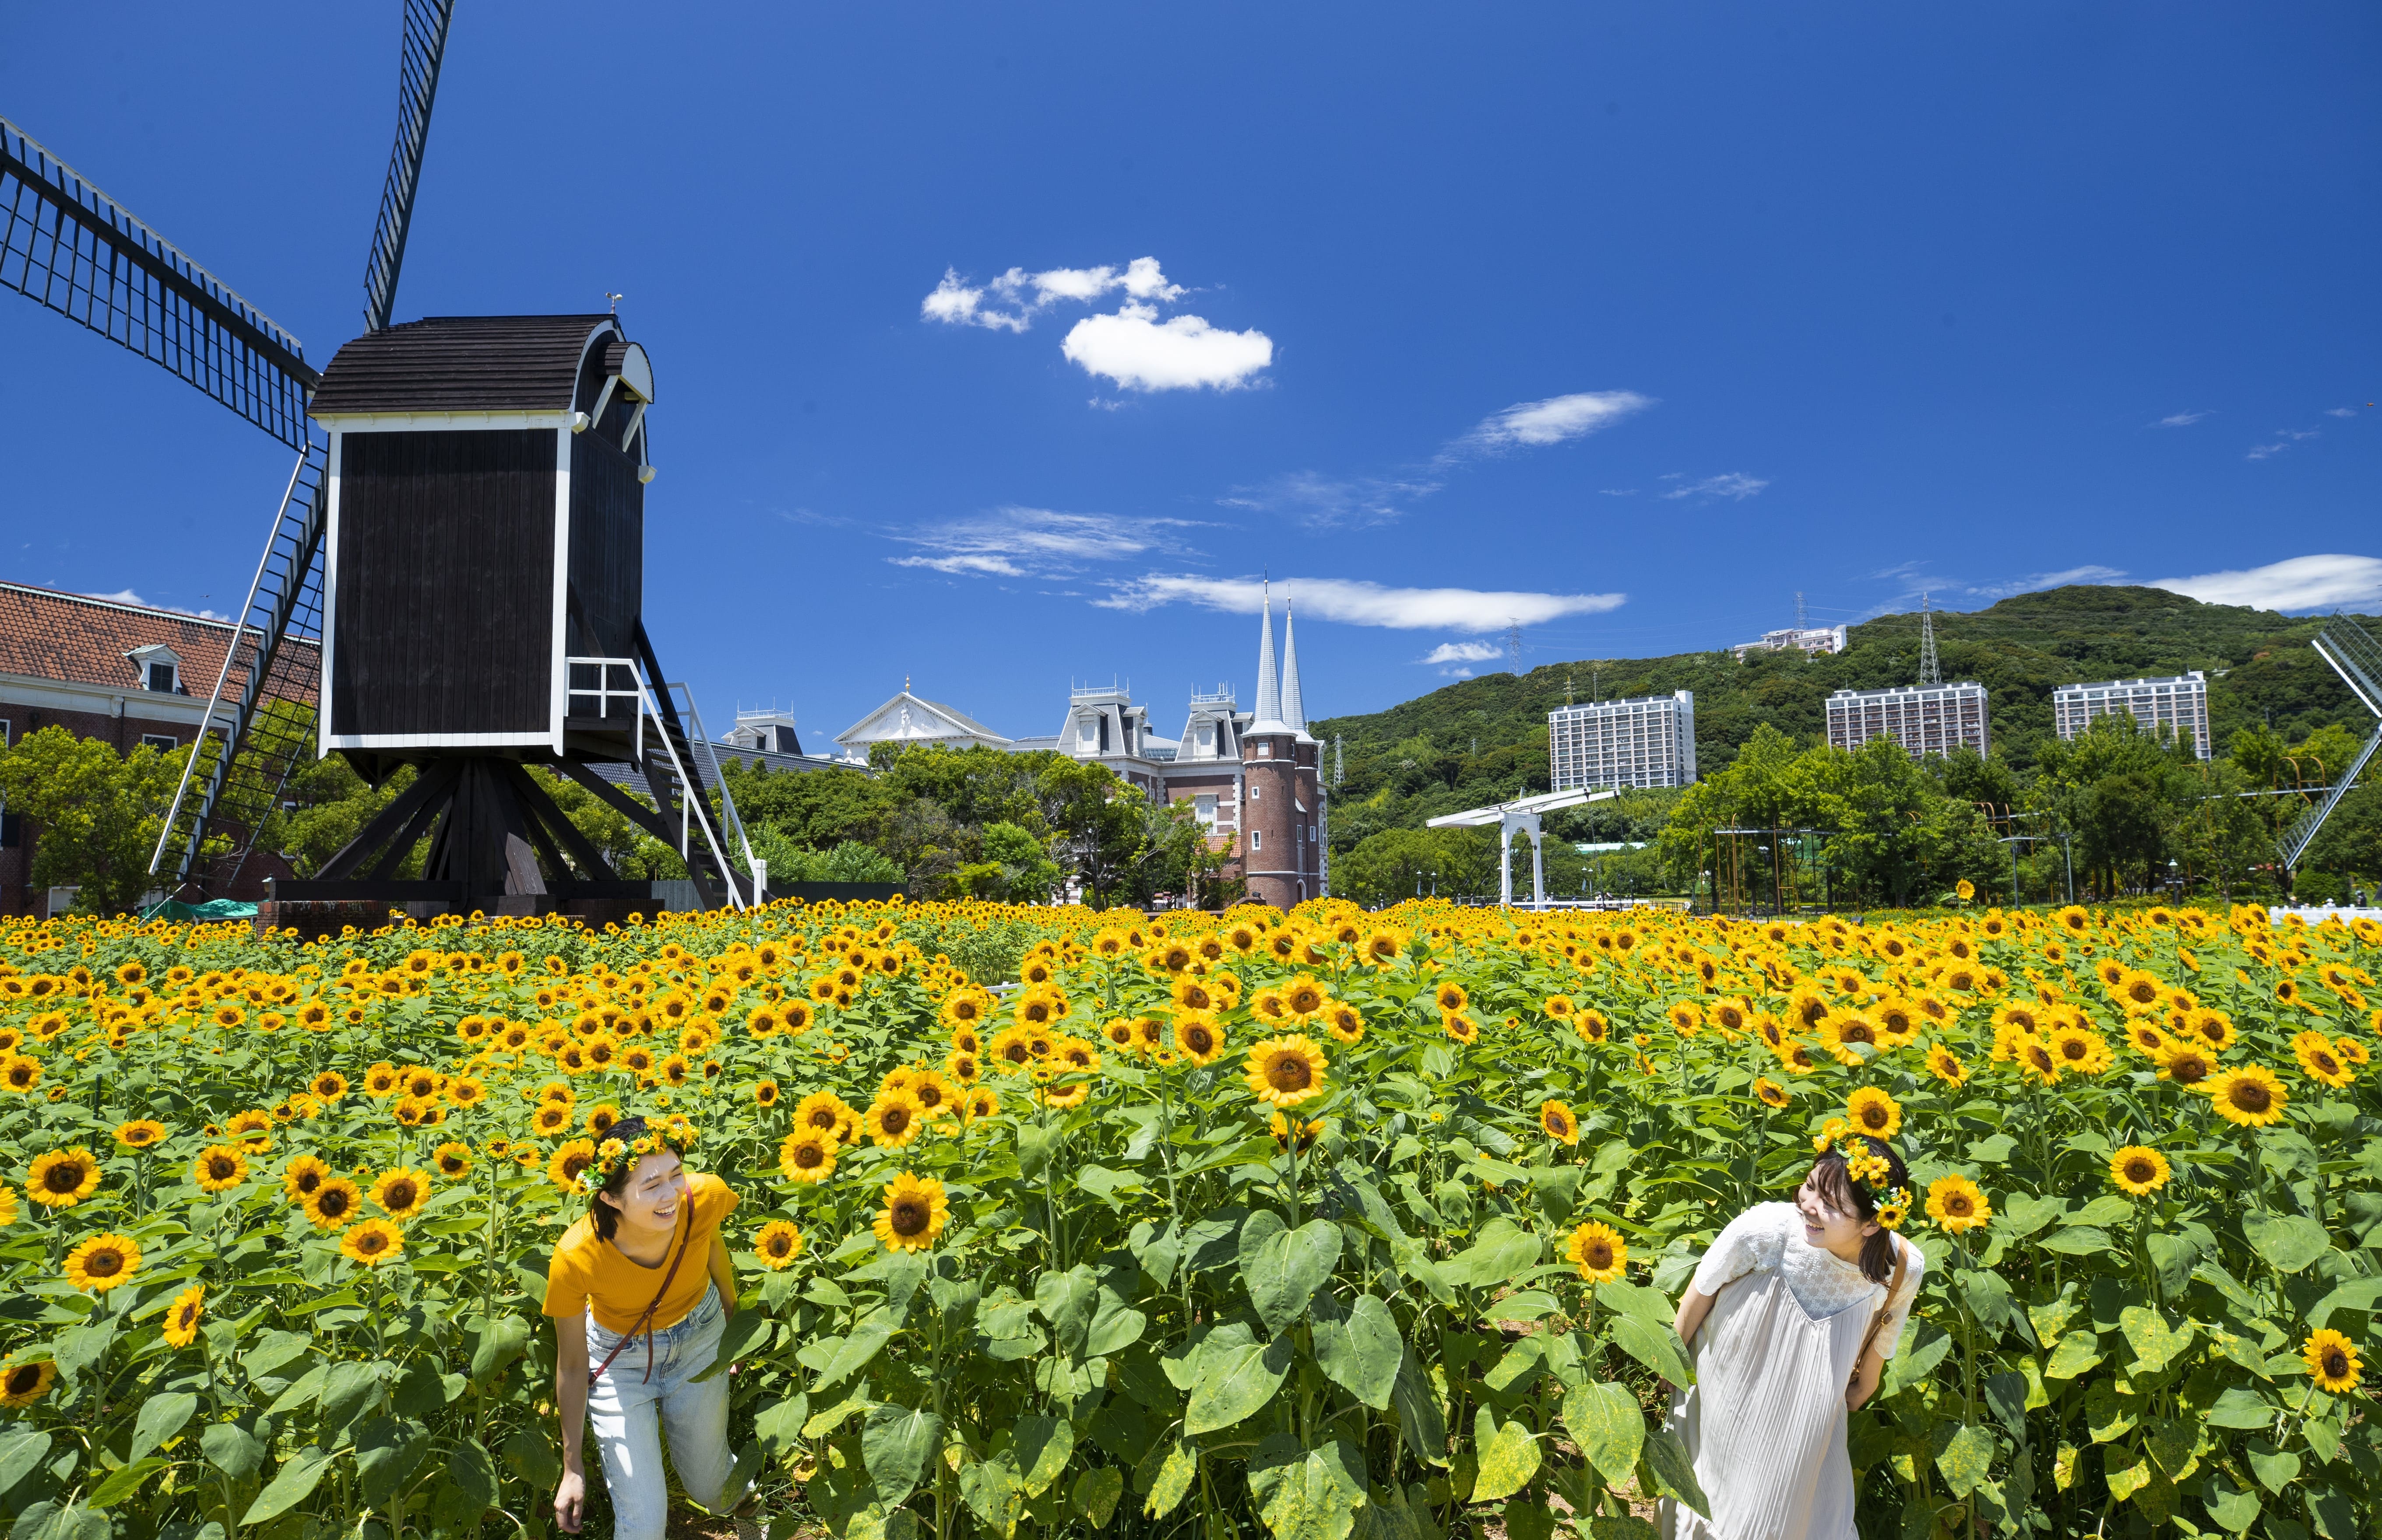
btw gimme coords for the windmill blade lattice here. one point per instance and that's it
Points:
(2356, 656)
(426, 22)
(261, 718)
(67, 245)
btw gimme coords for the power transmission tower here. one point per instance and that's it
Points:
(1514, 642)
(1567, 689)
(1930, 672)
(1800, 624)
(1339, 761)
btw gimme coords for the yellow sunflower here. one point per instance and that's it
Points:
(182, 1316)
(219, 1168)
(1285, 1071)
(453, 1159)
(1343, 1021)
(1956, 1204)
(1945, 1066)
(1199, 1036)
(980, 1102)
(1464, 1029)
(777, 1244)
(914, 1213)
(1556, 1119)
(62, 1178)
(808, 1155)
(2320, 1060)
(569, 1160)
(1875, 1113)
(401, 1192)
(822, 1112)
(23, 1384)
(140, 1134)
(1599, 1252)
(333, 1202)
(1770, 1091)
(371, 1242)
(2332, 1361)
(2139, 1170)
(2251, 1096)
(894, 1119)
(2186, 1063)
(103, 1262)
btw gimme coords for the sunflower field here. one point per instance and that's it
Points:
(1317, 1226)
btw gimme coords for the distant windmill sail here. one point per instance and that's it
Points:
(425, 48)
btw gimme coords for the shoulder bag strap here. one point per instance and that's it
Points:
(644, 1322)
(1877, 1321)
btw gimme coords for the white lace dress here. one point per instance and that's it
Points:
(1765, 1422)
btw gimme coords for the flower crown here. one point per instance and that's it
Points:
(1869, 1172)
(629, 1140)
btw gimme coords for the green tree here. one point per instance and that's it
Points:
(96, 814)
(1395, 863)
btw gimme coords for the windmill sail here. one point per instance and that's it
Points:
(417, 85)
(67, 245)
(2356, 656)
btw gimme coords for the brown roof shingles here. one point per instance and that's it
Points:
(49, 634)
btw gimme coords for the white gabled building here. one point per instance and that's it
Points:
(908, 718)
(1647, 741)
(2169, 707)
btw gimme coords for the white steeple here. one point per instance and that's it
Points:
(1268, 718)
(1294, 708)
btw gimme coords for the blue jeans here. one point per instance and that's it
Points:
(626, 1411)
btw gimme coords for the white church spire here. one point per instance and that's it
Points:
(1267, 717)
(1294, 707)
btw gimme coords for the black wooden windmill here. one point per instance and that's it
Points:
(454, 575)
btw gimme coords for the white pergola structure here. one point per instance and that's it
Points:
(1522, 814)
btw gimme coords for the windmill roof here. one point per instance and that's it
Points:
(46, 633)
(460, 363)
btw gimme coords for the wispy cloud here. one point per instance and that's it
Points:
(2284, 439)
(1358, 602)
(1616, 492)
(126, 597)
(1132, 348)
(1735, 485)
(2181, 418)
(1016, 542)
(1322, 502)
(2297, 583)
(1532, 424)
(1460, 652)
(2340, 411)
(2038, 581)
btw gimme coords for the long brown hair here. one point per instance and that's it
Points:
(606, 1218)
(1847, 1196)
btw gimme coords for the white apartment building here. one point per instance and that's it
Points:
(1925, 719)
(1648, 741)
(1809, 639)
(2174, 706)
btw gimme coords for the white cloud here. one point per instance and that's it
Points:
(121, 596)
(2041, 581)
(1735, 484)
(1358, 602)
(1616, 492)
(1132, 347)
(1322, 502)
(1461, 652)
(1140, 352)
(2181, 419)
(2340, 412)
(1015, 542)
(1533, 423)
(2298, 583)
(2284, 439)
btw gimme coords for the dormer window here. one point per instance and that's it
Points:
(160, 668)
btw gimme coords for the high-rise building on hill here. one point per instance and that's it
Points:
(1642, 743)
(2176, 708)
(1925, 719)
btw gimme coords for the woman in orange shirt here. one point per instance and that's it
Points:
(641, 1289)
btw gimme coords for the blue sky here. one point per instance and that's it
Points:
(1003, 346)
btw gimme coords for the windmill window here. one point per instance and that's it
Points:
(162, 678)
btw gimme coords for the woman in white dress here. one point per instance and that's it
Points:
(1790, 1317)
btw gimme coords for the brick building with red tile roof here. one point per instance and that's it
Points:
(123, 673)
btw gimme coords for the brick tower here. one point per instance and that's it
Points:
(1281, 805)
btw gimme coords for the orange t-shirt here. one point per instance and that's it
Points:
(589, 1272)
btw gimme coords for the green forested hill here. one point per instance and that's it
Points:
(1485, 739)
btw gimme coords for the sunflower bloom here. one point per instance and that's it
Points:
(62, 1178)
(371, 1242)
(777, 1244)
(2332, 1361)
(914, 1213)
(2139, 1170)
(182, 1316)
(103, 1262)
(570, 1159)
(1199, 1037)
(140, 1134)
(1956, 1204)
(453, 1160)
(1770, 1093)
(1556, 1119)
(1599, 1252)
(400, 1193)
(1875, 1113)
(807, 1157)
(2251, 1096)
(23, 1384)
(894, 1119)
(2320, 1060)
(333, 1203)
(1285, 1071)
(219, 1168)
